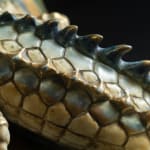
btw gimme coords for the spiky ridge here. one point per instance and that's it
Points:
(87, 45)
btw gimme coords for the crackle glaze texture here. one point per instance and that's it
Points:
(52, 86)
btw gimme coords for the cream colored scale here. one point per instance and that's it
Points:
(80, 62)
(76, 101)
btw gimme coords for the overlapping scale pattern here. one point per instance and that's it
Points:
(50, 85)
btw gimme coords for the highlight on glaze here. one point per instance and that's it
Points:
(79, 91)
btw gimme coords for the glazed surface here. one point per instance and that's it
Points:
(52, 86)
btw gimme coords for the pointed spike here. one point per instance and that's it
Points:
(71, 29)
(24, 24)
(95, 38)
(66, 36)
(47, 30)
(88, 44)
(112, 55)
(117, 50)
(5, 18)
(123, 48)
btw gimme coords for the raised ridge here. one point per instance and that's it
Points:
(88, 45)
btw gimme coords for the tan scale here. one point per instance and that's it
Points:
(84, 125)
(63, 66)
(52, 131)
(10, 94)
(112, 134)
(27, 120)
(89, 77)
(72, 99)
(141, 142)
(12, 112)
(73, 140)
(36, 56)
(140, 102)
(58, 114)
(104, 146)
(34, 105)
(114, 91)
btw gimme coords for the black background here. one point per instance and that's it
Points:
(118, 21)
